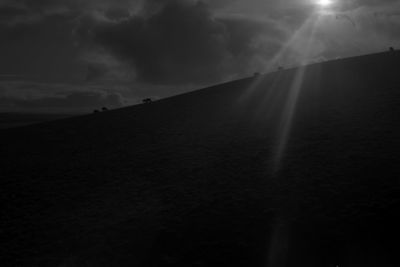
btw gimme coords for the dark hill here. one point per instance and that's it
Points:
(294, 168)
(11, 119)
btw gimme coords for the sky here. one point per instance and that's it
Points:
(68, 56)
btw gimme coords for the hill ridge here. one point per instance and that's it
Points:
(161, 183)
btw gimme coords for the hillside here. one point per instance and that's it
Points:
(293, 168)
(10, 120)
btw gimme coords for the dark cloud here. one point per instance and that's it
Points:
(372, 2)
(44, 50)
(183, 43)
(77, 6)
(165, 41)
(70, 101)
(7, 12)
(162, 47)
(242, 34)
(95, 71)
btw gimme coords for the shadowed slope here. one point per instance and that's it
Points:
(10, 120)
(207, 179)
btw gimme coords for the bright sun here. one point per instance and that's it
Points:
(324, 3)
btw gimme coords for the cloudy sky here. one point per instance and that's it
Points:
(76, 55)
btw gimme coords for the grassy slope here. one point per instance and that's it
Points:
(188, 180)
(10, 120)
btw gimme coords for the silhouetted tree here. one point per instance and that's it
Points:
(104, 109)
(96, 111)
(147, 100)
(256, 74)
(391, 49)
(280, 68)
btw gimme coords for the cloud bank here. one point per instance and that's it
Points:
(184, 43)
(162, 45)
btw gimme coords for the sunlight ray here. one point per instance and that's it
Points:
(274, 62)
(284, 50)
(288, 113)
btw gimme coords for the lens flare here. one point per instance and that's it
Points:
(324, 3)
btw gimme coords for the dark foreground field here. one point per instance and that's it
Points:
(207, 178)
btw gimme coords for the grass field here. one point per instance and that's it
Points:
(293, 168)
